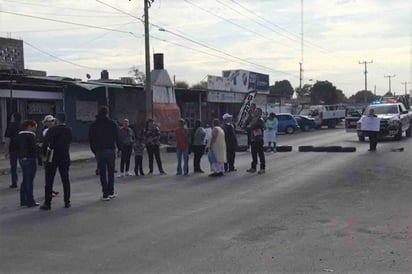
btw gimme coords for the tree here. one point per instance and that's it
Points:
(305, 91)
(200, 85)
(359, 97)
(282, 89)
(138, 75)
(181, 84)
(323, 92)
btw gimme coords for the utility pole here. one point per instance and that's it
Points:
(300, 76)
(148, 83)
(406, 88)
(390, 83)
(366, 78)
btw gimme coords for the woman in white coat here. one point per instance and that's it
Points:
(217, 150)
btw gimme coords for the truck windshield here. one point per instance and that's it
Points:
(383, 109)
(305, 112)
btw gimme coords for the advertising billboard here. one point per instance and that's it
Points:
(244, 81)
(218, 83)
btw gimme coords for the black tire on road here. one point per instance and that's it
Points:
(349, 149)
(332, 124)
(306, 128)
(319, 149)
(334, 149)
(284, 148)
(305, 148)
(398, 136)
(290, 130)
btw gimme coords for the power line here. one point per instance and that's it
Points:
(56, 7)
(232, 23)
(275, 25)
(160, 28)
(56, 57)
(64, 22)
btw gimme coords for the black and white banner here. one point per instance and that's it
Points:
(245, 109)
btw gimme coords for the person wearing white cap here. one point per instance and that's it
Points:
(231, 142)
(48, 122)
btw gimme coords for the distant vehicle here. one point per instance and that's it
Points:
(286, 123)
(325, 115)
(352, 117)
(395, 119)
(305, 123)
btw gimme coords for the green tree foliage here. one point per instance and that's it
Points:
(282, 89)
(304, 91)
(359, 97)
(324, 92)
(182, 84)
(200, 85)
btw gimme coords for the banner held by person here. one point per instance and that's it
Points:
(245, 109)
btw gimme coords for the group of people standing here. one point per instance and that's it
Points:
(50, 148)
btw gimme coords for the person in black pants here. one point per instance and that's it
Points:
(231, 142)
(103, 138)
(127, 139)
(10, 146)
(27, 155)
(197, 138)
(373, 135)
(152, 135)
(58, 139)
(256, 128)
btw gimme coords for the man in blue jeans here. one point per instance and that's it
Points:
(103, 138)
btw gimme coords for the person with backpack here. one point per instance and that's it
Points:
(127, 139)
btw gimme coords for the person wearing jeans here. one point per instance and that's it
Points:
(26, 143)
(127, 139)
(182, 147)
(198, 136)
(104, 137)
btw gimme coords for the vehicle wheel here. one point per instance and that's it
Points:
(290, 130)
(398, 136)
(284, 148)
(361, 138)
(334, 149)
(305, 148)
(332, 124)
(306, 128)
(349, 149)
(409, 131)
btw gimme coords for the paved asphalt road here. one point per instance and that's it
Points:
(310, 213)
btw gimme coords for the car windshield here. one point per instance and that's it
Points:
(305, 112)
(383, 109)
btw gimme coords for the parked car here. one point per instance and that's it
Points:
(305, 123)
(287, 123)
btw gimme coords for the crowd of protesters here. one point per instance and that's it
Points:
(108, 139)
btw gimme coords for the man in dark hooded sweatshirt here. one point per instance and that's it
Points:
(103, 138)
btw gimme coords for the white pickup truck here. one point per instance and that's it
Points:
(395, 119)
(325, 115)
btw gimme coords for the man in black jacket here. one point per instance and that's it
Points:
(256, 129)
(103, 138)
(58, 139)
(231, 142)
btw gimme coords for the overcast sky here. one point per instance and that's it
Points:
(257, 35)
